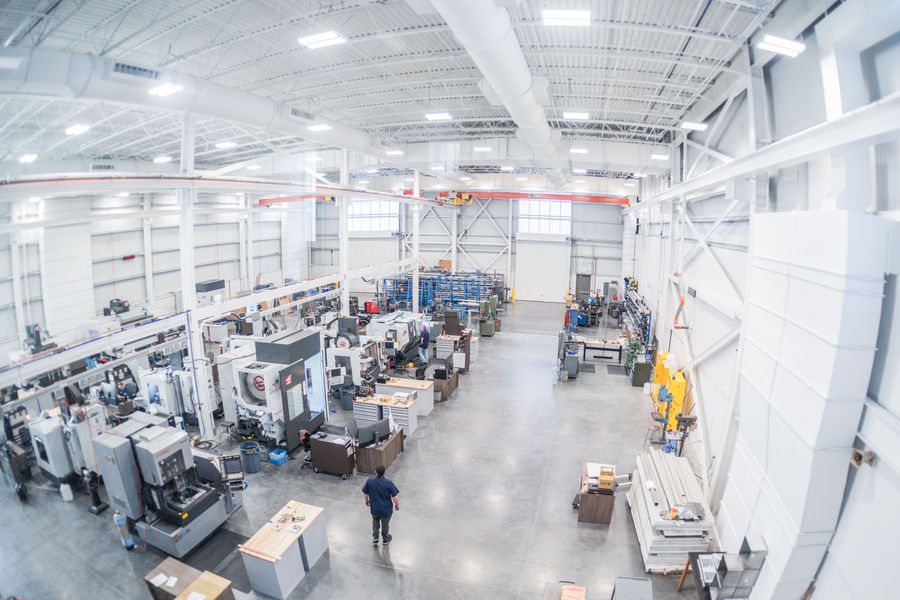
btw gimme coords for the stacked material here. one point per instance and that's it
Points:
(446, 344)
(669, 511)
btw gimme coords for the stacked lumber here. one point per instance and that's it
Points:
(664, 499)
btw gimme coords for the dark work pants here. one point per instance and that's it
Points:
(384, 523)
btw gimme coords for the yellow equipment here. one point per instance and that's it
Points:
(660, 377)
(671, 399)
(607, 478)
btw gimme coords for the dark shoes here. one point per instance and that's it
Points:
(374, 541)
(387, 540)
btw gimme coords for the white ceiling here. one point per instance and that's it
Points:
(638, 69)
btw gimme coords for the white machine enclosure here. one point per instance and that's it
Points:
(50, 449)
(358, 361)
(163, 453)
(228, 363)
(166, 391)
(259, 397)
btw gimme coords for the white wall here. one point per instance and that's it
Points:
(541, 267)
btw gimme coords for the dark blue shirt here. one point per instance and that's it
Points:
(424, 338)
(380, 492)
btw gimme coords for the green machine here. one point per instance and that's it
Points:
(487, 318)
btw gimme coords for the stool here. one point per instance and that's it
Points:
(651, 429)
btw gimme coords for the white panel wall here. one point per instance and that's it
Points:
(66, 270)
(541, 273)
(597, 251)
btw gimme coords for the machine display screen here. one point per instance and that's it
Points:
(232, 465)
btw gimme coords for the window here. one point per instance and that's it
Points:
(545, 216)
(373, 215)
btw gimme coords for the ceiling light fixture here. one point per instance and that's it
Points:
(165, 89)
(507, 168)
(27, 158)
(319, 127)
(692, 126)
(566, 18)
(659, 156)
(321, 40)
(394, 152)
(254, 168)
(465, 178)
(363, 182)
(162, 159)
(630, 184)
(313, 159)
(521, 179)
(578, 150)
(77, 129)
(481, 149)
(371, 171)
(34, 199)
(122, 194)
(486, 186)
(437, 168)
(579, 171)
(226, 145)
(438, 116)
(576, 116)
(780, 45)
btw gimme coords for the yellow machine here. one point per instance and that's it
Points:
(660, 376)
(671, 399)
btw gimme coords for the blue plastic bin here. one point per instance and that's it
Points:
(278, 456)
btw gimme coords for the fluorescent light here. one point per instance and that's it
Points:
(659, 156)
(363, 182)
(638, 175)
(779, 45)
(578, 150)
(630, 184)
(486, 186)
(122, 194)
(438, 116)
(481, 149)
(162, 159)
(579, 181)
(409, 180)
(321, 40)
(253, 167)
(566, 18)
(694, 126)
(521, 179)
(394, 152)
(311, 159)
(165, 89)
(34, 199)
(371, 171)
(77, 129)
(437, 168)
(27, 158)
(507, 168)
(319, 127)
(226, 145)
(579, 171)
(576, 116)
(465, 178)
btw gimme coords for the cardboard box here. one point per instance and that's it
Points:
(170, 568)
(211, 586)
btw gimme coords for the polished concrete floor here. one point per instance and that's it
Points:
(486, 486)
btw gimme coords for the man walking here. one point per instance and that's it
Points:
(381, 498)
(424, 340)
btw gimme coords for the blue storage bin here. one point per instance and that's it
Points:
(278, 456)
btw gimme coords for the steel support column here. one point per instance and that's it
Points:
(344, 234)
(147, 223)
(415, 232)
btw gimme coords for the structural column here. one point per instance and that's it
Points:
(15, 241)
(509, 246)
(417, 209)
(344, 233)
(147, 222)
(454, 235)
(187, 196)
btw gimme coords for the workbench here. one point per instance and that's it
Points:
(369, 457)
(598, 344)
(377, 407)
(279, 554)
(423, 388)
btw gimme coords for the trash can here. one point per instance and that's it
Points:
(347, 394)
(250, 457)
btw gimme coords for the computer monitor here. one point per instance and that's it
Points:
(374, 432)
